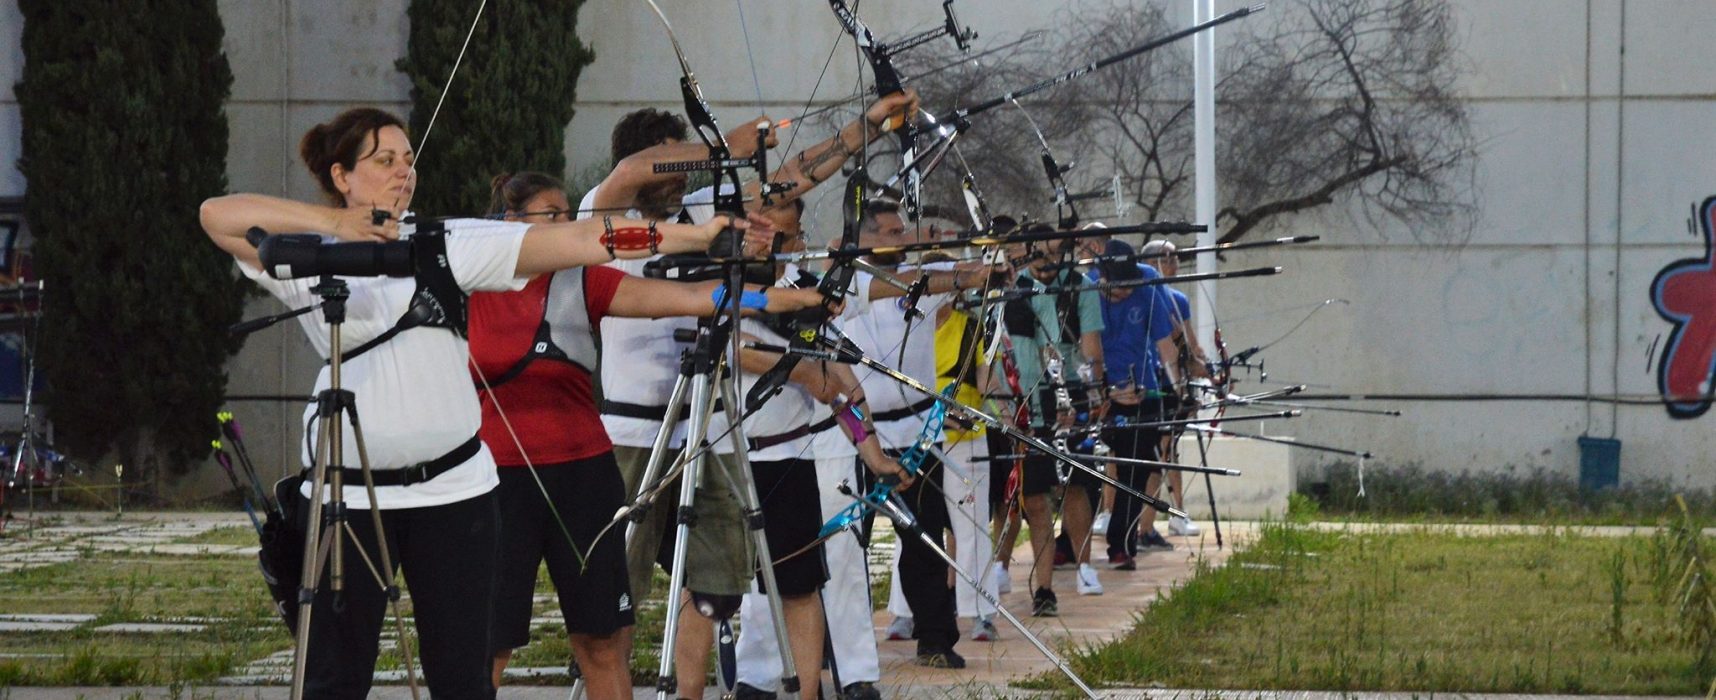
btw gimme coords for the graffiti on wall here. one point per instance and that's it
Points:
(1684, 294)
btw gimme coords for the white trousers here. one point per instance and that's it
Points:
(966, 485)
(845, 600)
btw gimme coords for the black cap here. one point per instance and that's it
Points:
(1123, 269)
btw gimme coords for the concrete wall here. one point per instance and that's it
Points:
(1590, 160)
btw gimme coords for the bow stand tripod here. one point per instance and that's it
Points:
(708, 367)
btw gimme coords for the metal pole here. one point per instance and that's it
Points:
(1203, 116)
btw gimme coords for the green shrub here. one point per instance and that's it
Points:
(509, 104)
(124, 135)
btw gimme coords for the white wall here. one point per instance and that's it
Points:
(1584, 153)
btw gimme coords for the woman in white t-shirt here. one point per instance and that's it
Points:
(418, 409)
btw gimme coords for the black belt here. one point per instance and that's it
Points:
(642, 412)
(420, 472)
(767, 441)
(894, 414)
(822, 425)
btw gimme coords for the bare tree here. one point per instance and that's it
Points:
(1319, 102)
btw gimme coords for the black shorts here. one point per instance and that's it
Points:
(1042, 472)
(1000, 467)
(792, 517)
(595, 596)
(1140, 443)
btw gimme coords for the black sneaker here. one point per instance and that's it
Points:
(1044, 604)
(862, 690)
(1154, 540)
(939, 657)
(743, 691)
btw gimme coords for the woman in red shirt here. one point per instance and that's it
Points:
(534, 351)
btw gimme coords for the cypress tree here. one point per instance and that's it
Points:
(509, 104)
(124, 135)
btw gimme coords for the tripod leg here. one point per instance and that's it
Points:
(765, 559)
(665, 682)
(1204, 459)
(314, 550)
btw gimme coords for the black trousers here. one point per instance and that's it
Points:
(923, 573)
(448, 553)
(1143, 443)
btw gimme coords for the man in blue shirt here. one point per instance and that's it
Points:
(1138, 348)
(1161, 255)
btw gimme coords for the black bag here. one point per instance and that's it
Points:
(282, 555)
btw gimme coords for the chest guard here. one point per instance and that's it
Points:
(565, 333)
(437, 302)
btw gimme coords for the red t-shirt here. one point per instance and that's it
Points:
(550, 404)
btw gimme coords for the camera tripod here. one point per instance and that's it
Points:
(327, 523)
(31, 462)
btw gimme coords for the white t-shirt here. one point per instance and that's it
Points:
(640, 358)
(413, 393)
(879, 330)
(793, 406)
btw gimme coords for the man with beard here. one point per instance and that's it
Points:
(1066, 325)
(890, 335)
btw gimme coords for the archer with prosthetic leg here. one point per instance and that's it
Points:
(642, 358)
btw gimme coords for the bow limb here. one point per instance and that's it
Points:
(1065, 210)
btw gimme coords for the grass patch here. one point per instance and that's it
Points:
(1414, 494)
(1424, 611)
(238, 535)
(137, 588)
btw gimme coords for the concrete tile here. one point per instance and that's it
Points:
(149, 628)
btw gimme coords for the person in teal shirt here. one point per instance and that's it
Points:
(1066, 325)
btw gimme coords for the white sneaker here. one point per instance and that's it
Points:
(1087, 581)
(900, 628)
(1182, 527)
(1100, 522)
(1003, 581)
(984, 630)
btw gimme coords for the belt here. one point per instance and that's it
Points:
(894, 414)
(767, 441)
(822, 425)
(640, 411)
(420, 472)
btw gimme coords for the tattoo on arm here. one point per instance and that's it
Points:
(809, 163)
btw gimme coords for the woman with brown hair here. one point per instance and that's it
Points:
(421, 414)
(534, 352)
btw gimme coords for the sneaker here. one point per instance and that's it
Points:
(939, 657)
(1063, 560)
(862, 690)
(984, 630)
(1088, 584)
(1043, 604)
(745, 691)
(1003, 580)
(1154, 540)
(900, 628)
(1100, 522)
(1122, 562)
(1182, 527)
